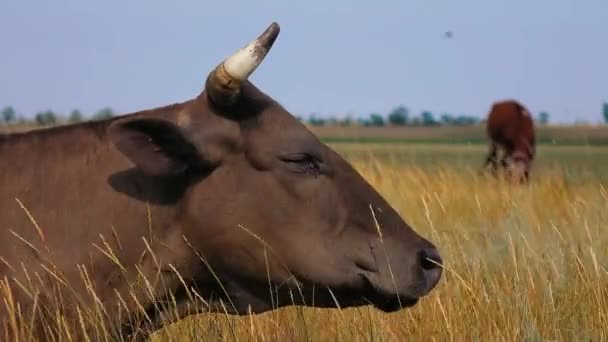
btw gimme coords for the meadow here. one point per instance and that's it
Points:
(521, 262)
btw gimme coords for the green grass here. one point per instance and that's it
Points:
(551, 135)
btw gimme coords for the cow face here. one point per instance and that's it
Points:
(518, 166)
(278, 216)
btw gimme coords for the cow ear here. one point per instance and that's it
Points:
(157, 147)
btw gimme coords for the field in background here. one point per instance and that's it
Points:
(471, 134)
(576, 164)
(522, 262)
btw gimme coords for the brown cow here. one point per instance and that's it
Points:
(225, 201)
(510, 127)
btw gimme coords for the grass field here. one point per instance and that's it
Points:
(521, 262)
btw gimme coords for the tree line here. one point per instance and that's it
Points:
(398, 116)
(9, 116)
(401, 116)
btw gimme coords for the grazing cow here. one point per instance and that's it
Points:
(510, 127)
(225, 201)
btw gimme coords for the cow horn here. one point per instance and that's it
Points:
(224, 82)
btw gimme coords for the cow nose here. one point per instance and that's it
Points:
(432, 266)
(430, 259)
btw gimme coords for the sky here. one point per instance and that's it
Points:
(332, 57)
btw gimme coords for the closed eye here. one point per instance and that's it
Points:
(302, 163)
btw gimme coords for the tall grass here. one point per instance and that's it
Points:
(521, 263)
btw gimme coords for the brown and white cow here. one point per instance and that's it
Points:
(510, 127)
(225, 199)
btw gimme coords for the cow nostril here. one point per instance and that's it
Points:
(430, 259)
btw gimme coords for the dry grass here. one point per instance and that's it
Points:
(522, 263)
(526, 263)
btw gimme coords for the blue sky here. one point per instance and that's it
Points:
(333, 57)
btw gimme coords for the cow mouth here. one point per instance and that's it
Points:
(245, 297)
(255, 298)
(387, 302)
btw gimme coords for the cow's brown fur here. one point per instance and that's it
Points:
(243, 195)
(510, 127)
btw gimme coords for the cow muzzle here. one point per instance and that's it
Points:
(518, 169)
(397, 285)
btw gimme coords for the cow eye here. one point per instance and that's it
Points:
(303, 163)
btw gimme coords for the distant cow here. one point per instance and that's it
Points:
(510, 127)
(225, 200)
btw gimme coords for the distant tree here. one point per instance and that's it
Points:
(363, 121)
(75, 116)
(376, 119)
(543, 118)
(446, 119)
(331, 120)
(428, 119)
(347, 121)
(464, 120)
(605, 112)
(103, 114)
(8, 114)
(398, 116)
(46, 118)
(315, 121)
(459, 120)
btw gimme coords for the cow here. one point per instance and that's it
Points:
(510, 127)
(225, 201)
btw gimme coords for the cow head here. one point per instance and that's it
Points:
(518, 165)
(277, 215)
